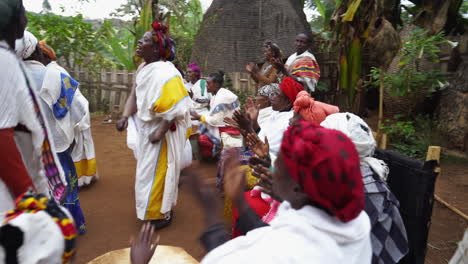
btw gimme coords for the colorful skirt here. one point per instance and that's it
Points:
(72, 201)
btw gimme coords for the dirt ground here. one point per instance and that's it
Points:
(109, 205)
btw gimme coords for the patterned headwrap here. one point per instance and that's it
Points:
(26, 46)
(269, 90)
(291, 88)
(38, 230)
(167, 48)
(195, 68)
(311, 110)
(47, 50)
(361, 135)
(326, 165)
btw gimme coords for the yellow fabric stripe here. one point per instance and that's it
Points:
(202, 119)
(172, 92)
(189, 133)
(86, 168)
(153, 210)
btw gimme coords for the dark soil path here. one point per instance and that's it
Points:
(109, 205)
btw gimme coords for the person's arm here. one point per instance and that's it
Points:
(248, 220)
(129, 110)
(159, 134)
(13, 172)
(270, 77)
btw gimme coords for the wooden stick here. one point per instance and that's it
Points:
(433, 153)
(451, 207)
(381, 94)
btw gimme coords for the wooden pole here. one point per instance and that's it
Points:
(433, 153)
(381, 92)
(451, 207)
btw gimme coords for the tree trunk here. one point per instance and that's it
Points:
(232, 32)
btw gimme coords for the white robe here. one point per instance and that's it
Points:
(83, 152)
(308, 235)
(200, 99)
(263, 115)
(160, 96)
(274, 129)
(220, 107)
(17, 107)
(63, 129)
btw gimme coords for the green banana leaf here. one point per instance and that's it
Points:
(352, 8)
(144, 24)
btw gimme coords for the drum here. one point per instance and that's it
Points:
(163, 255)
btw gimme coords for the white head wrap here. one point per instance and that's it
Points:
(361, 135)
(269, 90)
(26, 46)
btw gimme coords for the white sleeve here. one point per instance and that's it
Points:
(12, 90)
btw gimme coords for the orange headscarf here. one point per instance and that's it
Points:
(47, 50)
(311, 110)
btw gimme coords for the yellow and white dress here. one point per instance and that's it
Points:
(161, 95)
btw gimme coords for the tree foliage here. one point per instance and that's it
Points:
(73, 39)
(420, 46)
(184, 16)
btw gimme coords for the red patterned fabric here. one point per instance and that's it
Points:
(326, 164)
(229, 130)
(161, 36)
(206, 146)
(291, 88)
(257, 204)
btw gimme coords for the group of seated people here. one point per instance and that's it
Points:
(296, 174)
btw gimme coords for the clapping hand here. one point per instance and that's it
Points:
(142, 248)
(277, 63)
(261, 149)
(265, 181)
(234, 177)
(244, 122)
(251, 67)
(204, 193)
(251, 109)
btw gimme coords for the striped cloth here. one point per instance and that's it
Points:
(388, 234)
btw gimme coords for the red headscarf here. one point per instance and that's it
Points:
(161, 36)
(311, 110)
(291, 88)
(326, 165)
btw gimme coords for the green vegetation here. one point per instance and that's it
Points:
(419, 47)
(111, 44)
(73, 39)
(410, 137)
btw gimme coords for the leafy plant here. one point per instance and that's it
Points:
(409, 137)
(418, 47)
(77, 44)
(184, 18)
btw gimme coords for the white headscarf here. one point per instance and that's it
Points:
(26, 46)
(361, 135)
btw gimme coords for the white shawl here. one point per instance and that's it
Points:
(274, 129)
(307, 235)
